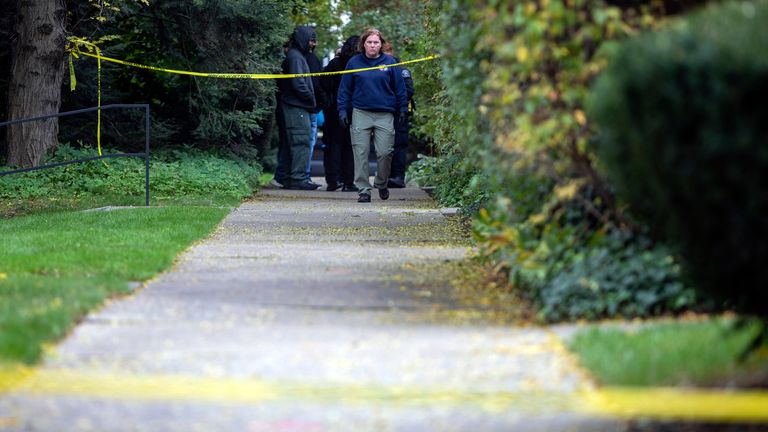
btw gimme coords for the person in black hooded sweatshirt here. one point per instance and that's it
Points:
(295, 102)
(338, 161)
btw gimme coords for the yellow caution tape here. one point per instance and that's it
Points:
(711, 405)
(74, 51)
(73, 82)
(243, 75)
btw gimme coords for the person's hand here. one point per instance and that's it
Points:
(343, 118)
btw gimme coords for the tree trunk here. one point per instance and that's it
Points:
(37, 70)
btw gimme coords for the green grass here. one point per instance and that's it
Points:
(56, 266)
(10, 208)
(669, 354)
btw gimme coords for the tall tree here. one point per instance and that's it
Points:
(37, 70)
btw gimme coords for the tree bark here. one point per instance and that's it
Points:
(37, 70)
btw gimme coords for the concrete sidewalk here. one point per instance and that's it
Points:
(305, 311)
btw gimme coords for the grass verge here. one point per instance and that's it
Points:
(701, 353)
(56, 266)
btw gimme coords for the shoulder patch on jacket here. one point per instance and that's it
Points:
(406, 73)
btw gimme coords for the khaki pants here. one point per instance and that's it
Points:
(381, 126)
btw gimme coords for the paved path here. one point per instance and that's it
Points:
(306, 311)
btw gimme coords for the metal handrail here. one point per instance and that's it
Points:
(145, 154)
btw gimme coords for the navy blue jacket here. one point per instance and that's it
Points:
(381, 90)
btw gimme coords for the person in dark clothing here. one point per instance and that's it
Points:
(321, 99)
(337, 159)
(295, 101)
(402, 127)
(374, 96)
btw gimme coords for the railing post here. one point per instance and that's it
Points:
(146, 153)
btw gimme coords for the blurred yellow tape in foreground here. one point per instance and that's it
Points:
(696, 405)
(680, 404)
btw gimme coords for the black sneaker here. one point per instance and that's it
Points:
(305, 185)
(396, 183)
(384, 193)
(350, 188)
(334, 186)
(364, 197)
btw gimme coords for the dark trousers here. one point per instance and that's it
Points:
(401, 149)
(293, 154)
(283, 153)
(345, 157)
(332, 151)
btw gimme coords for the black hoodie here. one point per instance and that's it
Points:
(297, 92)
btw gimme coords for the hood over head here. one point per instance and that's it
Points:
(301, 37)
(349, 48)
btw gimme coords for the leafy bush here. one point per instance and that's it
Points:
(516, 75)
(682, 116)
(571, 271)
(456, 183)
(173, 173)
(423, 171)
(616, 280)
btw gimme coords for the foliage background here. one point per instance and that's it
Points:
(501, 120)
(504, 111)
(234, 36)
(683, 109)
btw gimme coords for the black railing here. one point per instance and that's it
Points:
(145, 155)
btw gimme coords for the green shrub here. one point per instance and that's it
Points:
(682, 122)
(173, 173)
(423, 171)
(457, 183)
(574, 272)
(616, 279)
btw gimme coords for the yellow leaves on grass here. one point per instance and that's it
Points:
(521, 54)
(580, 117)
(567, 191)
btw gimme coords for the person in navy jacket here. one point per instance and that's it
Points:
(374, 97)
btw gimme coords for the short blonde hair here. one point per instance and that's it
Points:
(366, 34)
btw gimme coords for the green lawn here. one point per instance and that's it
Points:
(56, 266)
(670, 354)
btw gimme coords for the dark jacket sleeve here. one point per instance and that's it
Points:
(302, 86)
(344, 98)
(408, 79)
(399, 86)
(321, 95)
(329, 84)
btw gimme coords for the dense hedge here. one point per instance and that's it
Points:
(683, 133)
(508, 119)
